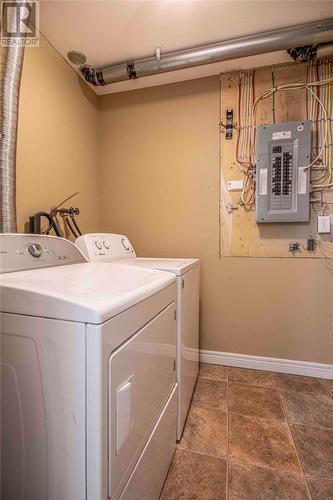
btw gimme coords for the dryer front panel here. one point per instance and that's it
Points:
(141, 377)
(43, 445)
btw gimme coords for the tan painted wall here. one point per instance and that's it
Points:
(159, 151)
(57, 139)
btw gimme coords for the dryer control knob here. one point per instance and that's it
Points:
(35, 250)
(106, 245)
(98, 245)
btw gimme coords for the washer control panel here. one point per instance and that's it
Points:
(35, 249)
(105, 247)
(20, 252)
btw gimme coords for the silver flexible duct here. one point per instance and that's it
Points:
(10, 80)
(259, 43)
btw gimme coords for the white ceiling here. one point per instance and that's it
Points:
(110, 31)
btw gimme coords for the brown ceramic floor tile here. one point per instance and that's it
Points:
(251, 377)
(195, 477)
(257, 441)
(285, 382)
(259, 483)
(213, 372)
(328, 386)
(315, 450)
(210, 394)
(255, 401)
(308, 408)
(320, 489)
(206, 432)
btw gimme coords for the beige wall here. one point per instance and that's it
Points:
(158, 177)
(57, 139)
(159, 151)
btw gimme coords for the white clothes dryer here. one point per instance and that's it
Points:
(88, 389)
(106, 247)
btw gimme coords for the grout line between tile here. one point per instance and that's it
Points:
(205, 454)
(311, 476)
(313, 426)
(293, 440)
(267, 467)
(233, 382)
(258, 417)
(325, 390)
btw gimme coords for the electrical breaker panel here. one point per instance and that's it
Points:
(282, 176)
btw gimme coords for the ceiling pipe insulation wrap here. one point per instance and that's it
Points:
(318, 32)
(10, 80)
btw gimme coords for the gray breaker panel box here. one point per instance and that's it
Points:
(282, 181)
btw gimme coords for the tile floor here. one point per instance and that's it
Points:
(255, 435)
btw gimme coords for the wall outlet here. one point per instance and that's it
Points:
(324, 224)
(235, 185)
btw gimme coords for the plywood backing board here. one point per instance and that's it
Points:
(240, 234)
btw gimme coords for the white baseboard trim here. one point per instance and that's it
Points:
(269, 364)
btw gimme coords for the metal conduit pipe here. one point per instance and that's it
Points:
(10, 80)
(294, 36)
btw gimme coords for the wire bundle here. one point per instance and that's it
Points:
(310, 87)
(244, 152)
(320, 113)
(321, 174)
(319, 87)
(325, 251)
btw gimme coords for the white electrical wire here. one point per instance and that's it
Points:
(322, 139)
(244, 156)
(296, 86)
(327, 258)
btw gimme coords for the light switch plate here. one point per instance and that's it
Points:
(235, 185)
(324, 224)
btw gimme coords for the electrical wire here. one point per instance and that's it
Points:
(247, 105)
(244, 155)
(265, 94)
(245, 149)
(327, 257)
(321, 174)
(321, 70)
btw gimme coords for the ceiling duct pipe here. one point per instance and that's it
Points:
(314, 33)
(10, 80)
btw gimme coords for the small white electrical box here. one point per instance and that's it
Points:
(235, 185)
(324, 224)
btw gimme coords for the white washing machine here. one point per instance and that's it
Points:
(105, 247)
(88, 391)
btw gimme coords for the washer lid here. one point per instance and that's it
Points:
(89, 292)
(176, 266)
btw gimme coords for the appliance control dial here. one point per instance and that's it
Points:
(98, 245)
(35, 250)
(126, 244)
(106, 245)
